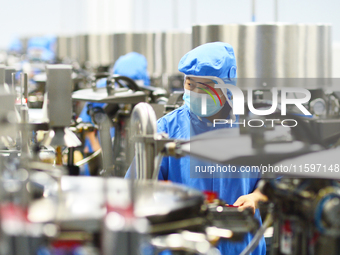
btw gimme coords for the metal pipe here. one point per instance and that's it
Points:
(87, 159)
(21, 93)
(106, 144)
(25, 137)
(13, 83)
(257, 237)
(25, 84)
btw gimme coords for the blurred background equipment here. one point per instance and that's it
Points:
(276, 50)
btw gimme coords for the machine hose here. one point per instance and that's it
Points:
(254, 243)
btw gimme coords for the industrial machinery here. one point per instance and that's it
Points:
(45, 210)
(100, 215)
(305, 211)
(162, 50)
(120, 95)
(274, 50)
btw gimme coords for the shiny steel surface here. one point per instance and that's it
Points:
(61, 137)
(74, 48)
(93, 49)
(83, 48)
(143, 122)
(162, 50)
(105, 49)
(85, 198)
(62, 47)
(275, 50)
(175, 47)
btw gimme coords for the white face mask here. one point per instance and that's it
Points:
(203, 105)
(212, 107)
(217, 80)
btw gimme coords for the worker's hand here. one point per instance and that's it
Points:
(250, 201)
(246, 201)
(93, 140)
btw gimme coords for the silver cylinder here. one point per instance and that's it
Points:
(75, 48)
(142, 43)
(62, 47)
(121, 44)
(159, 54)
(163, 50)
(274, 50)
(149, 52)
(143, 123)
(93, 44)
(83, 50)
(105, 49)
(175, 47)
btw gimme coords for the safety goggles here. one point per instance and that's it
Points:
(211, 85)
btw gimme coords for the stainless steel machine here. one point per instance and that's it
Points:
(42, 210)
(277, 50)
(63, 214)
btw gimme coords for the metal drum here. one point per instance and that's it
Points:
(93, 49)
(83, 48)
(62, 47)
(162, 50)
(176, 46)
(275, 50)
(159, 54)
(122, 44)
(84, 199)
(142, 43)
(149, 52)
(105, 49)
(75, 48)
(157, 201)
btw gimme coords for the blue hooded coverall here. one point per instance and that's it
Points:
(211, 59)
(133, 65)
(47, 46)
(16, 46)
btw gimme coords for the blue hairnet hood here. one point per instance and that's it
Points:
(134, 66)
(16, 45)
(210, 59)
(45, 44)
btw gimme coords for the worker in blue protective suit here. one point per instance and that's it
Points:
(204, 67)
(133, 65)
(42, 48)
(16, 46)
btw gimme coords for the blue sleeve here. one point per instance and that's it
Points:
(101, 83)
(84, 116)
